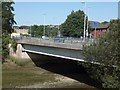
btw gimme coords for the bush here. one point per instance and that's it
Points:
(5, 42)
(14, 45)
(107, 76)
(106, 53)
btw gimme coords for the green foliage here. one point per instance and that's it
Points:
(14, 76)
(74, 24)
(111, 81)
(7, 17)
(14, 45)
(106, 52)
(107, 76)
(104, 22)
(37, 31)
(18, 61)
(7, 22)
(24, 27)
(15, 31)
(5, 42)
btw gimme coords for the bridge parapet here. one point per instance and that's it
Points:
(69, 44)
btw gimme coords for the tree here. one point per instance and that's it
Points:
(74, 24)
(24, 27)
(106, 52)
(104, 22)
(0, 17)
(7, 22)
(37, 31)
(7, 17)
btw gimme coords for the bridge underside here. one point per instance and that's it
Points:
(59, 60)
(66, 67)
(56, 52)
(39, 59)
(62, 53)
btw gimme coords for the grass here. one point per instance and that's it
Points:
(16, 76)
(19, 62)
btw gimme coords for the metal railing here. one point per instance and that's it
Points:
(74, 43)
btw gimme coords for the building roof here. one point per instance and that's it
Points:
(99, 25)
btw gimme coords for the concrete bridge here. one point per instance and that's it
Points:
(69, 49)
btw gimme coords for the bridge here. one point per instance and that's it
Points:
(67, 49)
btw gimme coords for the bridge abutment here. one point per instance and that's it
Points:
(18, 53)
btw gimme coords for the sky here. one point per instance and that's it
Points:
(55, 13)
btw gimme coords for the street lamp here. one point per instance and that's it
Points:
(44, 26)
(87, 22)
(59, 34)
(84, 19)
(30, 31)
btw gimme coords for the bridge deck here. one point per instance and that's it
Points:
(50, 43)
(76, 45)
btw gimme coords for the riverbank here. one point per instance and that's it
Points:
(30, 76)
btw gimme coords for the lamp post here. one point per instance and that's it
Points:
(87, 22)
(44, 26)
(84, 20)
(59, 34)
(30, 31)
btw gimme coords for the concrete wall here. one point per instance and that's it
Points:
(18, 54)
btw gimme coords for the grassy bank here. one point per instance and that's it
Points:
(27, 75)
(17, 76)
